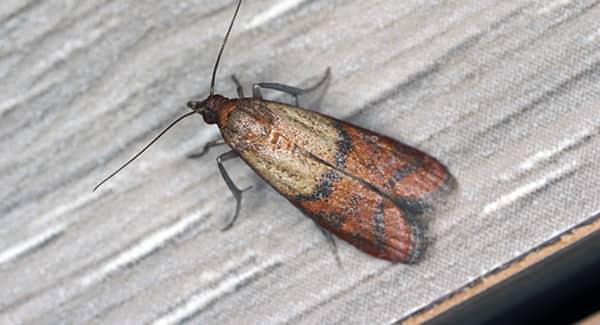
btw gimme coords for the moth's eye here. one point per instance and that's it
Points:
(209, 116)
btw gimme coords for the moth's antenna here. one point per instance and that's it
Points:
(212, 81)
(144, 149)
(212, 91)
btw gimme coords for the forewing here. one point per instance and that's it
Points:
(364, 187)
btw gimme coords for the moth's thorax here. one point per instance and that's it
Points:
(248, 122)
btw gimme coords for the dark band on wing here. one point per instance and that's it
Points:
(344, 145)
(378, 221)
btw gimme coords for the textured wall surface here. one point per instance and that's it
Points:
(505, 93)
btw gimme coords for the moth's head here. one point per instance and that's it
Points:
(209, 108)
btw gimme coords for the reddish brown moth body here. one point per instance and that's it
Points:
(366, 188)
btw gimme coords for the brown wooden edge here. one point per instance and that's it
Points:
(505, 271)
(590, 320)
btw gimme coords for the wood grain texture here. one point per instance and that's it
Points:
(504, 93)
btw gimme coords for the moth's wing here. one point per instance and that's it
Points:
(361, 186)
(349, 208)
(414, 179)
(409, 176)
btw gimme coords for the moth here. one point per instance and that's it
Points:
(364, 187)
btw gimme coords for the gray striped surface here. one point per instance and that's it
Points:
(506, 93)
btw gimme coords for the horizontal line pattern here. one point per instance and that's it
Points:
(506, 93)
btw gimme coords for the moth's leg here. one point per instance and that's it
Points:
(207, 146)
(332, 244)
(238, 86)
(256, 91)
(237, 193)
(294, 91)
